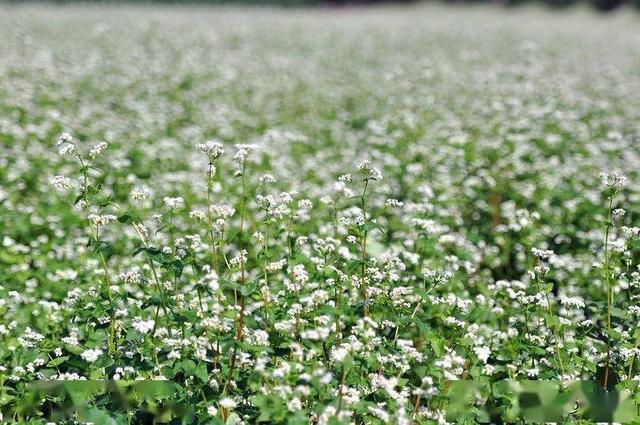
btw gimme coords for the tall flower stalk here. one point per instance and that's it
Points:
(612, 184)
(241, 156)
(89, 193)
(368, 173)
(213, 150)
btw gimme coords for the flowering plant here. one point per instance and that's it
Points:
(283, 241)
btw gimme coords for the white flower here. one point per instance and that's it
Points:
(71, 340)
(228, 403)
(240, 258)
(91, 355)
(173, 203)
(390, 203)
(267, 178)
(613, 180)
(368, 172)
(483, 353)
(61, 183)
(276, 266)
(132, 276)
(243, 151)
(488, 369)
(617, 213)
(224, 211)
(197, 215)
(305, 204)
(101, 220)
(64, 138)
(66, 149)
(533, 372)
(338, 354)
(143, 326)
(212, 148)
(140, 194)
(210, 280)
(541, 253)
(572, 301)
(65, 144)
(294, 404)
(97, 150)
(212, 410)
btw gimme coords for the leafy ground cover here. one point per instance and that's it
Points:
(315, 216)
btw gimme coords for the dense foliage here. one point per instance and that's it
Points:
(308, 217)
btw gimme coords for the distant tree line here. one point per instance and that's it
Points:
(602, 5)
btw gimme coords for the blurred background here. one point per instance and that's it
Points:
(599, 5)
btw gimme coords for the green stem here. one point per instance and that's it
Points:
(363, 251)
(243, 277)
(214, 254)
(107, 283)
(607, 274)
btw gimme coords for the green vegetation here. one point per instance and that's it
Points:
(304, 216)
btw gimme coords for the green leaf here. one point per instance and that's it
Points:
(129, 217)
(437, 344)
(613, 334)
(248, 289)
(201, 373)
(138, 250)
(100, 246)
(371, 225)
(265, 254)
(57, 361)
(188, 367)
(347, 364)
(104, 201)
(175, 266)
(98, 416)
(79, 198)
(353, 264)
(94, 190)
(186, 317)
(155, 300)
(159, 229)
(103, 361)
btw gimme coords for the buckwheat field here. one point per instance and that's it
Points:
(315, 216)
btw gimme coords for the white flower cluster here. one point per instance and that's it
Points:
(101, 219)
(212, 148)
(173, 203)
(91, 355)
(65, 144)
